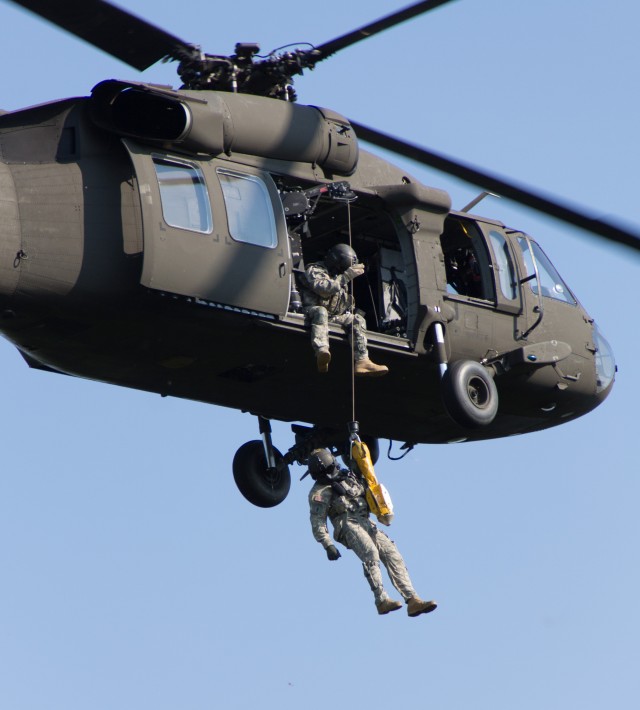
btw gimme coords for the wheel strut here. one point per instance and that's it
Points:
(440, 348)
(265, 430)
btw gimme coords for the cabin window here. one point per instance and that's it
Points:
(249, 209)
(503, 265)
(184, 197)
(551, 284)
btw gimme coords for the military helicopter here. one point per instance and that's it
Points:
(152, 238)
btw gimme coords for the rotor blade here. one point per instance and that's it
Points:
(373, 28)
(115, 31)
(501, 187)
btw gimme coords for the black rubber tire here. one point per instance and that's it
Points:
(469, 394)
(256, 483)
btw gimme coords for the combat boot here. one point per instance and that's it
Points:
(369, 369)
(387, 605)
(415, 606)
(323, 358)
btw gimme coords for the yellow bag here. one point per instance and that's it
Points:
(377, 495)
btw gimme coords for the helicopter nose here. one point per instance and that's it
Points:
(605, 362)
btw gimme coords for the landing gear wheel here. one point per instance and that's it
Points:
(469, 394)
(257, 483)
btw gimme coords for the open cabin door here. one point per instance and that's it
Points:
(482, 286)
(212, 230)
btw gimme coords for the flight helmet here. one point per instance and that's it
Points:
(340, 257)
(323, 465)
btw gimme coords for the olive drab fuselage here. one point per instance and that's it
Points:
(152, 238)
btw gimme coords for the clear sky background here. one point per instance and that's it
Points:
(134, 575)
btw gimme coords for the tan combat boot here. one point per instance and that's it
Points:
(415, 606)
(387, 605)
(323, 358)
(367, 368)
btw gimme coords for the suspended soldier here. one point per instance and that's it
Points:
(339, 494)
(326, 299)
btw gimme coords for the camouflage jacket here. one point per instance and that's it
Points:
(325, 502)
(319, 288)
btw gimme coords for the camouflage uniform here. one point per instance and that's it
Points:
(349, 515)
(327, 299)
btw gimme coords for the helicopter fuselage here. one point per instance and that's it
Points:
(152, 239)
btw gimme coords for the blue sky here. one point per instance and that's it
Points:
(135, 575)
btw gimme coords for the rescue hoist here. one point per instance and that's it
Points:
(377, 496)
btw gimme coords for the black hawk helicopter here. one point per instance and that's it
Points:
(152, 237)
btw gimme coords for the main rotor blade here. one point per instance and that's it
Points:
(524, 196)
(373, 28)
(117, 32)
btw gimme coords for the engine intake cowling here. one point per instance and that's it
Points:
(214, 122)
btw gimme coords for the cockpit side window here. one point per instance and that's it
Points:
(184, 196)
(504, 266)
(551, 284)
(467, 262)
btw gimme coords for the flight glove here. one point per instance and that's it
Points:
(353, 272)
(333, 553)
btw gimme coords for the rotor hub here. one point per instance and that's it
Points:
(246, 73)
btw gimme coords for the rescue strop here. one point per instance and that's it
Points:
(377, 495)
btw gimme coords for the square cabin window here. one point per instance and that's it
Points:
(249, 210)
(184, 196)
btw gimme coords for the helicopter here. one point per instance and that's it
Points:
(153, 238)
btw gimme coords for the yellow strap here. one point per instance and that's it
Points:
(378, 497)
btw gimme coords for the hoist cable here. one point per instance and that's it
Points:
(353, 318)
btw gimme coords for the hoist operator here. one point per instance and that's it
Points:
(326, 299)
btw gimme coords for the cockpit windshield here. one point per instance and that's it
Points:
(549, 280)
(605, 361)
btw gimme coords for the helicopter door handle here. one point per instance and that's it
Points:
(282, 270)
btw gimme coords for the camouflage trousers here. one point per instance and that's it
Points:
(319, 319)
(372, 546)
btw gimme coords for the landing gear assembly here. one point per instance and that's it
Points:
(469, 393)
(261, 484)
(262, 473)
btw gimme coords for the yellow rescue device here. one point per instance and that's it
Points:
(378, 496)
